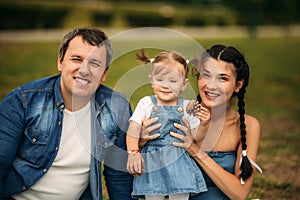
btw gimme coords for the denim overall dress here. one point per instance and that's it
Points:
(226, 159)
(167, 169)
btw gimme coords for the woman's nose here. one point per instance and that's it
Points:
(211, 84)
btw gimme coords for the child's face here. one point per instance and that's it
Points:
(168, 80)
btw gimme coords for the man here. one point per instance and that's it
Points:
(55, 132)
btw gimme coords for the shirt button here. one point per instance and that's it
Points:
(105, 143)
(33, 140)
(155, 109)
(56, 148)
(44, 170)
(62, 106)
(23, 187)
(59, 123)
(179, 109)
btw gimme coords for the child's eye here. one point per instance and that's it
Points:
(205, 76)
(173, 81)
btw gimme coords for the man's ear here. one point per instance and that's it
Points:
(104, 75)
(59, 63)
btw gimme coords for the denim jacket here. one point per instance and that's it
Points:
(30, 131)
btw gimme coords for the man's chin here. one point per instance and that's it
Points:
(81, 96)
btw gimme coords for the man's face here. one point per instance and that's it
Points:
(82, 70)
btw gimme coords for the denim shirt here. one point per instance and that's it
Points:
(30, 132)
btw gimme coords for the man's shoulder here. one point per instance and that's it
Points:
(40, 84)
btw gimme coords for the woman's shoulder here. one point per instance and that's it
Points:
(251, 120)
(252, 123)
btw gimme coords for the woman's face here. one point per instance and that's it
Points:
(217, 82)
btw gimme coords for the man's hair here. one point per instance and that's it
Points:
(93, 36)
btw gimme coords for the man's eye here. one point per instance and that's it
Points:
(95, 64)
(76, 59)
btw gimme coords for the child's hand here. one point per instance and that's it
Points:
(135, 163)
(193, 107)
(203, 115)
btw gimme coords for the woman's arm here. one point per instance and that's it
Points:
(229, 183)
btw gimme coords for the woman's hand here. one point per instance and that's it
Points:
(146, 129)
(187, 140)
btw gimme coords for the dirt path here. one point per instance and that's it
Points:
(195, 32)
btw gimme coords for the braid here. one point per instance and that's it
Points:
(246, 167)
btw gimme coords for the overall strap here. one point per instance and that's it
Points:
(153, 99)
(180, 101)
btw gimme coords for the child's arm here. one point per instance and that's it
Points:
(135, 162)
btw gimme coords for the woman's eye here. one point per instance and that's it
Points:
(223, 78)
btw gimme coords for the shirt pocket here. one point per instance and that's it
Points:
(33, 147)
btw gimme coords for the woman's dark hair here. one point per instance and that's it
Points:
(164, 56)
(93, 36)
(230, 54)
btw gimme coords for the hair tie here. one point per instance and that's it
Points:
(151, 60)
(187, 61)
(244, 154)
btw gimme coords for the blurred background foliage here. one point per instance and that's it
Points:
(35, 14)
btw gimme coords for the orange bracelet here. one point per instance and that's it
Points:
(134, 151)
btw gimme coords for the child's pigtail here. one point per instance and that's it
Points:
(142, 57)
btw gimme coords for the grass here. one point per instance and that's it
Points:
(271, 96)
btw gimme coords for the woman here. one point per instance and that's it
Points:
(227, 154)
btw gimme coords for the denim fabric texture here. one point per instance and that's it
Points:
(30, 131)
(168, 169)
(227, 161)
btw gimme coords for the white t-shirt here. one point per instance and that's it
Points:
(68, 176)
(144, 108)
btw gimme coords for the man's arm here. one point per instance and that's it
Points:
(11, 131)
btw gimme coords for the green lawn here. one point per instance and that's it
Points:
(271, 97)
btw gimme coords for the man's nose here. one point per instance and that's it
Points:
(84, 68)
